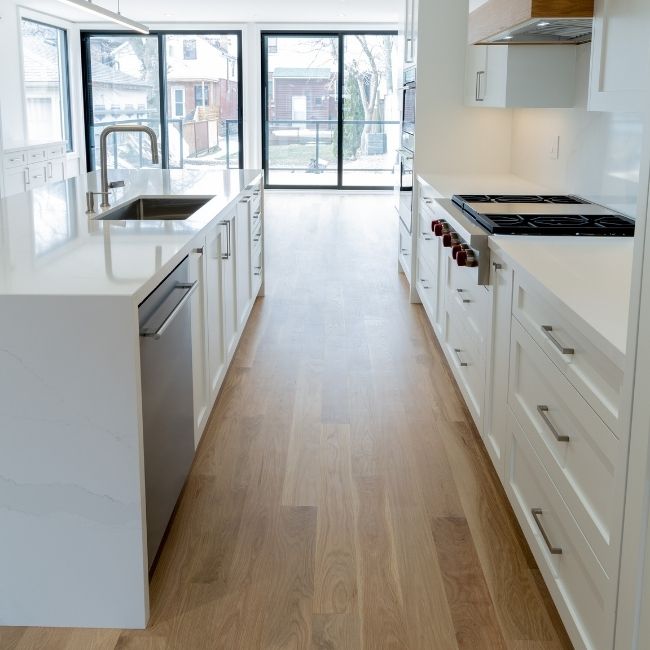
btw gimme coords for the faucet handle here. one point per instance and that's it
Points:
(115, 184)
(90, 200)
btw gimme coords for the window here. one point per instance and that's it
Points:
(179, 102)
(189, 50)
(201, 95)
(45, 79)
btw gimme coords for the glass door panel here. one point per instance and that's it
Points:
(371, 111)
(124, 88)
(301, 110)
(202, 100)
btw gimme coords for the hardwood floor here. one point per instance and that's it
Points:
(341, 498)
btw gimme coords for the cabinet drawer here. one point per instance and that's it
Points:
(579, 586)
(256, 232)
(583, 467)
(15, 159)
(35, 155)
(427, 243)
(467, 357)
(55, 151)
(37, 175)
(597, 378)
(257, 267)
(466, 293)
(426, 285)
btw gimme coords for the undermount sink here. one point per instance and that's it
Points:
(155, 209)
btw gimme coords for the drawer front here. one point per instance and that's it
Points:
(472, 298)
(55, 151)
(37, 175)
(582, 463)
(427, 287)
(467, 357)
(257, 265)
(598, 379)
(15, 159)
(35, 155)
(427, 242)
(579, 586)
(256, 232)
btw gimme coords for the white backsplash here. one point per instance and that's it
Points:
(599, 155)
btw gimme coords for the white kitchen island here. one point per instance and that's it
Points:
(73, 539)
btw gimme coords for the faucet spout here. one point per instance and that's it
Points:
(103, 151)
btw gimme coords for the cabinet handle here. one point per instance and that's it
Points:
(461, 363)
(26, 176)
(460, 296)
(496, 266)
(198, 251)
(547, 329)
(537, 513)
(226, 223)
(50, 170)
(543, 411)
(479, 76)
(424, 282)
(256, 215)
(258, 270)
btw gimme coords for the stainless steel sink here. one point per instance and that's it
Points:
(155, 209)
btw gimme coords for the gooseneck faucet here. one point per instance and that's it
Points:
(103, 154)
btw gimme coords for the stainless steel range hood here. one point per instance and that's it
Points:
(531, 22)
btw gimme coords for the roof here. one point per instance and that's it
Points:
(40, 60)
(302, 73)
(105, 74)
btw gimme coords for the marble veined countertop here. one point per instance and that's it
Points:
(50, 246)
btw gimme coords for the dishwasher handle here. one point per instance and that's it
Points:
(187, 290)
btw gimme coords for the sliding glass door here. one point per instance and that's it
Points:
(330, 109)
(188, 82)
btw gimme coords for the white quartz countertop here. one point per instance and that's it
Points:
(50, 246)
(446, 185)
(587, 277)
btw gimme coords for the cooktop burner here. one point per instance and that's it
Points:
(543, 215)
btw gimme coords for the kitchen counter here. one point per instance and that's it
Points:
(589, 278)
(50, 246)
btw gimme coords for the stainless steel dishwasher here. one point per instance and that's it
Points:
(167, 406)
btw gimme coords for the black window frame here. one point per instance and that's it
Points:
(64, 62)
(340, 35)
(165, 109)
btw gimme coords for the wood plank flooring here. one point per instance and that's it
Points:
(341, 498)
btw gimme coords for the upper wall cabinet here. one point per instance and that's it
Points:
(517, 76)
(620, 56)
(409, 31)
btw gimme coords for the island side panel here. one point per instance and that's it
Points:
(72, 519)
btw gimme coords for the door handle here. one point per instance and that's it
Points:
(188, 290)
(537, 513)
(226, 223)
(479, 76)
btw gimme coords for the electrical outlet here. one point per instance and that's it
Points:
(554, 150)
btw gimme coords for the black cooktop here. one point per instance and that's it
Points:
(543, 215)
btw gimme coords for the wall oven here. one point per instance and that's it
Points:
(404, 184)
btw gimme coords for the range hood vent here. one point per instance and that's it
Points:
(546, 30)
(531, 22)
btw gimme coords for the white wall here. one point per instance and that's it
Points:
(13, 129)
(450, 137)
(600, 153)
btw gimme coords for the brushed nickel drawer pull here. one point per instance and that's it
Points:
(537, 513)
(547, 329)
(461, 363)
(543, 410)
(460, 295)
(497, 266)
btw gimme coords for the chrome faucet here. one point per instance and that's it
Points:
(103, 155)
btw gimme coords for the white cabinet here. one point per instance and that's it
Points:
(229, 282)
(534, 76)
(405, 249)
(31, 167)
(409, 31)
(494, 426)
(214, 304)
(200, 349)
(620, 56)
(242, 245)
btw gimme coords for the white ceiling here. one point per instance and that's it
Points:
(237, 11)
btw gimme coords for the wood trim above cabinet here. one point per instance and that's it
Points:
(496, 16)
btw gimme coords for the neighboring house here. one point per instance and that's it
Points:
(42, 89)
(302, 94)
(116, 95)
